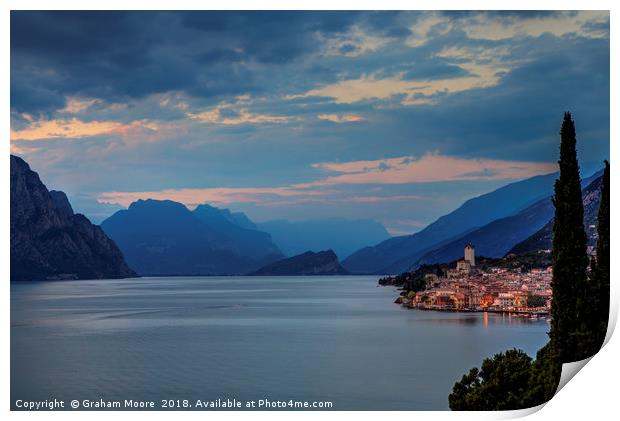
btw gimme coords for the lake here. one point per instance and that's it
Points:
(337, 339)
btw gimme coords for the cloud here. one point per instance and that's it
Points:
(74, 128)
(414, 92)
(505, 25)
(353, 43)
(242, 116)
(341, 118)
(60, 128)
(475, 84)
(141, 131)
(235, 113)
(429, 168)
(75, 105)
(470, 67)
(275, 197)
(123, 55)
(219, 195)
(426, 27)
(474, 53)
(587, 24)
(400, 170)
(173, 101)
(214, 55)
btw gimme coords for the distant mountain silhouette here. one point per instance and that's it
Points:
(308, 263)
(162, 237)
(495, 238)
(543, 238)
(49, 241)
(246, 241)
(397, 254)
(498, 237)
(220, 217)
(342, 235)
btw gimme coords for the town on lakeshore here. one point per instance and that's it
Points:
(492, 287)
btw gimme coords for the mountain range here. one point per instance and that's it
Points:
(397, 254)
(500, 236)
(493, 222)
(242, 233)
(162, 237)
(50, 241)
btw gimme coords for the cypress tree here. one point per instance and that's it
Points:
(600, 275)
(593, 327)
(570, 259)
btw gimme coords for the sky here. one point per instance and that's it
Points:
(394, 116)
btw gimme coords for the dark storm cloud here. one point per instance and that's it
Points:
(388, 23)
(119, 55)
(109, 55)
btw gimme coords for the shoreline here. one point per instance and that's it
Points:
(518, 313)
(465, 310)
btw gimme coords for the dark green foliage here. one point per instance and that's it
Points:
(591, 331)
(570, 259)
(601, 272)
(500, 384)
(413, 281)
(524, 261)
(544, 377)
(508, 381)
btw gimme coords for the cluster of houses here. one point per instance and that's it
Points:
(467, 288)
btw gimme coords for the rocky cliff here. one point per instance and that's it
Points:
(49, 241)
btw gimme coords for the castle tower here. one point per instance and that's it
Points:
(470, 254)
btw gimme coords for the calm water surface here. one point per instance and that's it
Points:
(338, 339)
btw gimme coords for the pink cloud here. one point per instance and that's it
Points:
(64, 128)
(147, 131)
(219, 195)
(268, 196)
(431, 167)
(341, 118)
(75, 128)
